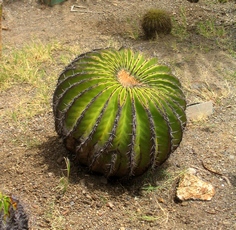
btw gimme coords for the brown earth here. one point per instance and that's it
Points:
(207, 70)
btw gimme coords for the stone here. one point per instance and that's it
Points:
(199, 110)
(122, 228)
(192, 171)
(190, 187)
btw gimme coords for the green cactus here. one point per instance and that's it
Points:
(119, 113)
(12, 214)
(156, 21)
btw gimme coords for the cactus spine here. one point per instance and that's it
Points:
(118, 112)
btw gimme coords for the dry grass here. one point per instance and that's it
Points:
(27, 79)
(55, 217)
(28, 72)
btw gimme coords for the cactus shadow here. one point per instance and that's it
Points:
(54, 154)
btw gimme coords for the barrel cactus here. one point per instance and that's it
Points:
(12, 214)
(119, 113)
(156, 21)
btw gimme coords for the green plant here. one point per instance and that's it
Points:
(64, 181)
(12, 214)
(162, 181)
(149, 218)
(223, 1)
(180, 25)
(118, 112)
(156, 21)
(131, 28)
(209, 29)
(5, 203)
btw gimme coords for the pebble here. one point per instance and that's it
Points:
(88, 196)
(192, 171)
(110, 205)
(184, 203)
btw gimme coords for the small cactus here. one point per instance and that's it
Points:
(156, 21)
(193, 1)
(12, 214)
(119, 113)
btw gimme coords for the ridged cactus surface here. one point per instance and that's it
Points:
(119, 113)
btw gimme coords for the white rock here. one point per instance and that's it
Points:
(192, 188)
(192, 171)
(199, 111)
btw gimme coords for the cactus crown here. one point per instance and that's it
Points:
(118, 112)
(156, 21)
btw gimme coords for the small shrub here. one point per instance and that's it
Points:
(119, 113)
(156, 22)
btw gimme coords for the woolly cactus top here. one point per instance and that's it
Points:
(119, 112)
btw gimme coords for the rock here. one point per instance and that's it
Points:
(192, 171)
(199, 110)
(110, 205)
(192, 188)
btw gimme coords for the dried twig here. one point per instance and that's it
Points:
(218, 173)
(166, 214)
(211, 170)
(73, 9)
(77, 6)
(89, 11)
(210, 212)
(227, 180)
